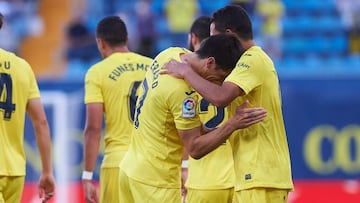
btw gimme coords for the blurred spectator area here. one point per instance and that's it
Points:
(314, 40)
(42, 36)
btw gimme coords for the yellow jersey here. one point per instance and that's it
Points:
(17, 86)
(167, 105)
(216, 169)
(261, 154)
(114, 82)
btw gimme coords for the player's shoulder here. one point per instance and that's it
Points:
(137, 58)
(168, 54)
(12, 58)
(97, 69)
(170, 82)
(171, 51)
(5, 53)
(176, 49)
(142, 57)
(254, 53)
(97, 66)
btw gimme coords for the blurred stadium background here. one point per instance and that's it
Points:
(315, 46)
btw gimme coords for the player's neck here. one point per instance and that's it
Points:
(122, 49)
(247, 44)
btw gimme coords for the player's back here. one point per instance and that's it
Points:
(17, 86)
(160, 112)
(114, 82)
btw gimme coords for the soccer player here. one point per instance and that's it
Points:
(261, 154)
(110, 91)
(166, 121)
(20, 95)
(211, 178)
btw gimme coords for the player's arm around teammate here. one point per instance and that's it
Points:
(254, 78)
(215, 69)
(219, 95)
(198, 145)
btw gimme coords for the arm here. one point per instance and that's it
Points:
(92, 136)
(198, 145)
(184, 173)
(218, 95)
(46, 184)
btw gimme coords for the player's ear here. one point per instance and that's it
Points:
(211, 62)
(100, 42)
(228, 31)
(194, 39)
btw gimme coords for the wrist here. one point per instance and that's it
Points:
(184, 164)
(228, 128)
(46, 173)
(87, 175)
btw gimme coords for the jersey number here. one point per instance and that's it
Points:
(217, 119)
(141, 103)
(6, 104)
(132, 99)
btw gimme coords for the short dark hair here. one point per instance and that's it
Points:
(1, 20)
(112, 30)
(236, 19)
(226, 49)
(201, 27)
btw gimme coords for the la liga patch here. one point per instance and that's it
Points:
(189, 107)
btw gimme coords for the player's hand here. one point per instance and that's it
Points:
(46, 187)
(90, 192)
(175, 68)
(244, 117)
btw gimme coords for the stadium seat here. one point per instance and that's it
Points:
(304, 25)
(288, 64)
(335, 64)
(339, 44)
(296, 45)
(76, 69)
(289, 27)
(157, 6)
(328, 24)
(163, 42)
(161, 25)
(352, 63)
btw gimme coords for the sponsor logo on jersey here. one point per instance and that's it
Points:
(188, 109)
(242, 64)
(190, 92)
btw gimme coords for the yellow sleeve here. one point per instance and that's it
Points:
(246, 74)
(183, 105)
(93, 87)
